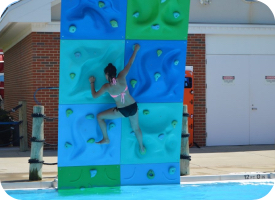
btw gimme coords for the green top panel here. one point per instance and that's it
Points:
(157, 19)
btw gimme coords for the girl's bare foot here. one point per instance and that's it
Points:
(142, 150)
(103, 141)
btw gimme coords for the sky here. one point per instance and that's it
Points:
(4, 4)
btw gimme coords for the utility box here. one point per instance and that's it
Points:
(189, 101)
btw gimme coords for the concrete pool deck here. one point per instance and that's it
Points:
(212, 162)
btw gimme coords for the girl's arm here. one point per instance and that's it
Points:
(125, 71)
(102, 90)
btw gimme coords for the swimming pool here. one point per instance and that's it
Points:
(201, 191)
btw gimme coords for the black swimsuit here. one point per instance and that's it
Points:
(128, 111)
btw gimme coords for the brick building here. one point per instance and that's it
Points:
(30, 32)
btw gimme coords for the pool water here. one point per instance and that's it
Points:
(209, 191)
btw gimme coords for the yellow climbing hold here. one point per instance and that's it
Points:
(146, 112)
(157, 75)
(91, 140)
(72, 75)
(114, 23)
(69, 112)
(159, 52)
(90, 116)
(111, 125)
(101, 4)
(174, 123)
(133, 83)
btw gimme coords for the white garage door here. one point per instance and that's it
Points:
(240, 99)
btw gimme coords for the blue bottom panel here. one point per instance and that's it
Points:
(78, 130)
(161, 125)
(158, 73)
(146, 174)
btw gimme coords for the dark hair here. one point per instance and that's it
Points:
(110, 70)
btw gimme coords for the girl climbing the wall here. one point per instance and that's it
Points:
(126, 105)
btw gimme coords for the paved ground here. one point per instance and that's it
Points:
(232, 159)
(14, 164)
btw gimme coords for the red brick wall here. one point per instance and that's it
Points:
(45, 70)
(18, 77)
(196, 58)
(31, 64)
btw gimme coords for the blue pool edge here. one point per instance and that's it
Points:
(251, 177)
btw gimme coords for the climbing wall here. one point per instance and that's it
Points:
(93, 34)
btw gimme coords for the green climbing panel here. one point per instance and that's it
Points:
(157, 19)
(88, 176)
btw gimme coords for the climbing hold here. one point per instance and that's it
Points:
(176, 14)
(146, 112)
(111, 125)
(133, 83)
(176, 62)
(157, 75)
(93, 172)
(77, 54)
(72, 75)
(69, 112)
(91, 140)
(114, 23)
(162, 1)
(72, 29)
(90, 116)
(161, 136)
(142, 152)
(155, 27)
(150, 174)
(172, 170)
(159, 52)
(136, 14)
(132, 133)
(82, 188)
(101, 4)
(174, 123)
(68, 145)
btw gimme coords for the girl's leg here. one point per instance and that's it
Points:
(135, 126)
(107, 114)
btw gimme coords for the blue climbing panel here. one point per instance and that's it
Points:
(146, 174)
(79, 59)
(78, 131)
(92, 35)
(161, 127)
(157, 74)
(93, 19)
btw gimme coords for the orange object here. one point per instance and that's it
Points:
(189, 101)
